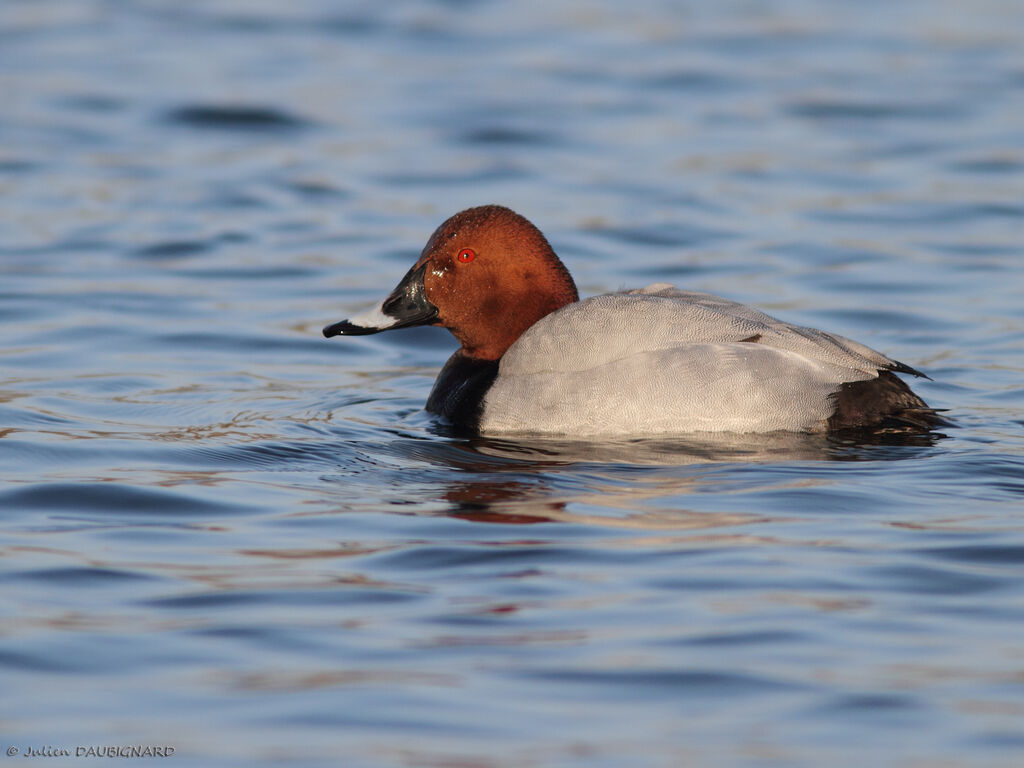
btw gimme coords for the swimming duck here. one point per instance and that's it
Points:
(655, 360)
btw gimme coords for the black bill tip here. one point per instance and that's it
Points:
(345, 328)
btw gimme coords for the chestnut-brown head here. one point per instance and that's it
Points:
(486, 274)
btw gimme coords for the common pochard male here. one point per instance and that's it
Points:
(656, 360)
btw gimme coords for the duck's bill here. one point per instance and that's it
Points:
(405, 307)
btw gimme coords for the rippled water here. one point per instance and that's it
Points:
(226, 534)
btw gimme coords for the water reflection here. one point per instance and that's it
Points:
(607, 505)
(710, 448)
(662, 451)
(644, 484)
(639, 484)
(507, 502)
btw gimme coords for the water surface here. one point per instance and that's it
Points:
(223, 533)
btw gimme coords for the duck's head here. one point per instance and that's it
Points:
(486, 274)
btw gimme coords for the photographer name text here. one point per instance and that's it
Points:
(119, 750)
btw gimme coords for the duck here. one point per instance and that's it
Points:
(535, 359)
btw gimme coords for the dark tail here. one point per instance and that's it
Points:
(883, 403)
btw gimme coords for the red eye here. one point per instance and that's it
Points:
(466, 255)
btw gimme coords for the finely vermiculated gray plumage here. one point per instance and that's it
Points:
(664, 360)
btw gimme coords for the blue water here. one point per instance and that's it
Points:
(222, 533)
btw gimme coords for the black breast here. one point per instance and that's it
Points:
(458, 393)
